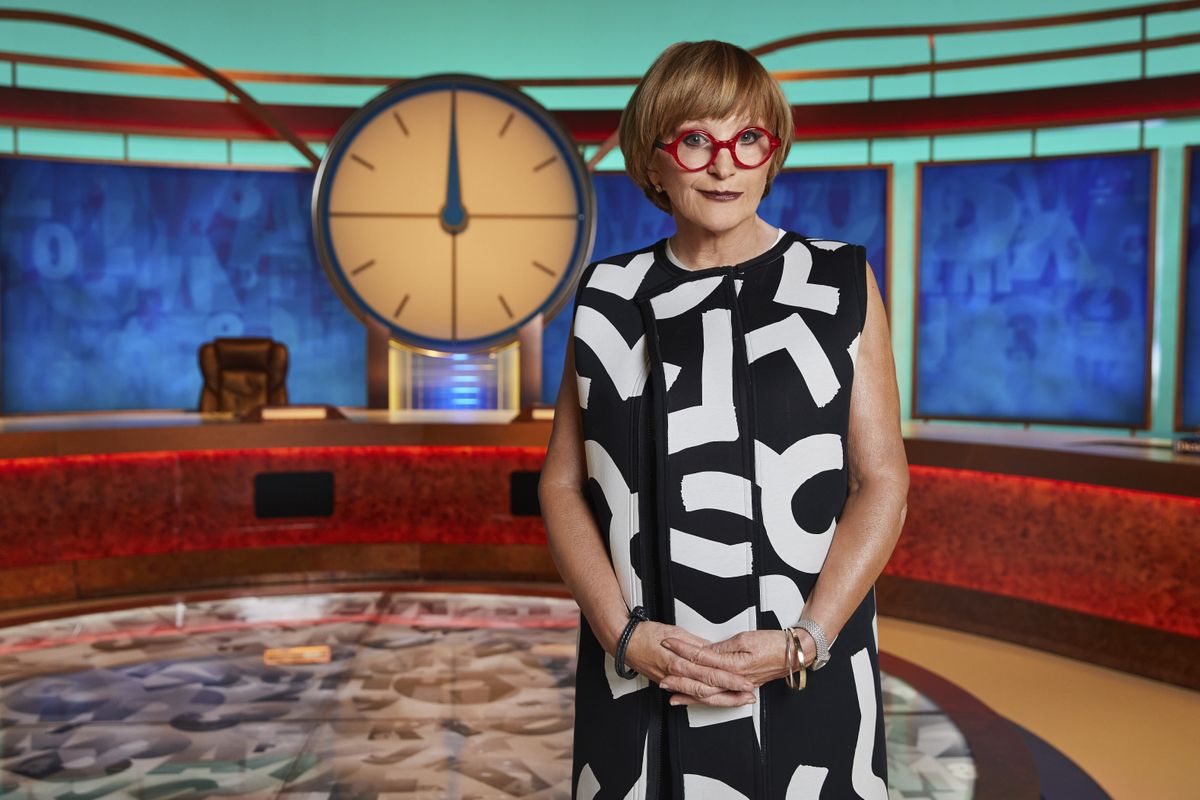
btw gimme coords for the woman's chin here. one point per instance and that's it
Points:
(719, 220)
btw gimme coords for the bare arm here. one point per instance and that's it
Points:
(878, 475)
(571, 530)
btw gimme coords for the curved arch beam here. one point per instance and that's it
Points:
(973, 27)
(263, 76)
(261, 112)
(606, 147)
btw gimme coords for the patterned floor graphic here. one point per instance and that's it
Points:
(427, 695)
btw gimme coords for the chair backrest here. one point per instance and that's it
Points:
(241, 373)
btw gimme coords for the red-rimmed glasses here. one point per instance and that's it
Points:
(694, 150)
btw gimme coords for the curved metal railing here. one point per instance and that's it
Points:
(188, 68)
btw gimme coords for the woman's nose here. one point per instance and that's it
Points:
(722, 166)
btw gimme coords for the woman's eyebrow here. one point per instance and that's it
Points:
(687, 124)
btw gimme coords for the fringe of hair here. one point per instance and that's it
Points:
(699, 80)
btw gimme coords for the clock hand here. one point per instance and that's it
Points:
(454, 216)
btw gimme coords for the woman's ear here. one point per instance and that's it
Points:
(655, 178)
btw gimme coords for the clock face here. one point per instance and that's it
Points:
(452, 210)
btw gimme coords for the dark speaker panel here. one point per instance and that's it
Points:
(522, 494)
(293, 494)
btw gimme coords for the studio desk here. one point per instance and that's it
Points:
(1081, 545)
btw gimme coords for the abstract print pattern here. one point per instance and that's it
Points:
(715, 406)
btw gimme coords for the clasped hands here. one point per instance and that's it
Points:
(695, 670)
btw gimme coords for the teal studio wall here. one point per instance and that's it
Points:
(540, 38)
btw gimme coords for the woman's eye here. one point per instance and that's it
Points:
(695, 140)
(750, 137)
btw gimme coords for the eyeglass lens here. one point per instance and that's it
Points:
(752, 149)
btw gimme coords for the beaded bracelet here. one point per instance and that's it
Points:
(638, 614)
(818, 635)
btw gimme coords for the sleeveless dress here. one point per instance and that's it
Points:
(715, 408)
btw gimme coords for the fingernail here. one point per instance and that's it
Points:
(674, 702)
(666, 644)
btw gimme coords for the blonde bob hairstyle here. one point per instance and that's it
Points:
(699, 80)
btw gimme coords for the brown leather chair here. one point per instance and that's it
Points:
(242, 373)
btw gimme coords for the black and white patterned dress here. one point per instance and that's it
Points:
(715, 406)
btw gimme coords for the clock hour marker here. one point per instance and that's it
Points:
(399, 308)
(546, 163)
(400, 122)
(507, 122)
(367, 265)
(543, 268)
(525, 216)
(422, 215)
(507, 310)
(453, 280)
(363, 161)
(381, 214)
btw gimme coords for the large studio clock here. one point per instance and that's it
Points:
(452, 209)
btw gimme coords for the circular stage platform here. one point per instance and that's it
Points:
(424, 694)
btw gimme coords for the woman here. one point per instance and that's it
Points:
(728, 403)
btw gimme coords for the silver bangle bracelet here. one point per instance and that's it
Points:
(818, 635)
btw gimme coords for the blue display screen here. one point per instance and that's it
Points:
(112, 276)
(1033, 289)
(848, 205)
(1190, 346)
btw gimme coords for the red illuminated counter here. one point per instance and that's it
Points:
(1084, 545)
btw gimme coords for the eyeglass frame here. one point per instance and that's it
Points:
(731, 144)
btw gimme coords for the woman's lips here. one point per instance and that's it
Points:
(721, 197)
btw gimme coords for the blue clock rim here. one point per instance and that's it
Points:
(376, 106)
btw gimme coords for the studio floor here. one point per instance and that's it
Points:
(1134, 736)
(464, 694)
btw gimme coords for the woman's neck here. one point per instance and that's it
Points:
(699, 248)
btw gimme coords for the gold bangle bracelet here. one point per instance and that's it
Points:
(788, 644)
(803, 680)
(789, 649)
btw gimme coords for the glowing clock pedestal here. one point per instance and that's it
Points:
(428, 379)
(503, 378)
